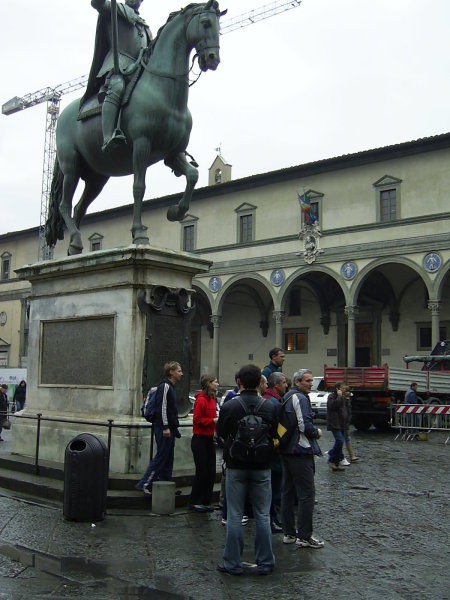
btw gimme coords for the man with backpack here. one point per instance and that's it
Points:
(165, 428)
(247, 424)
(297, 455)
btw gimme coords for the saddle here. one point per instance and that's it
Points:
(92, 106)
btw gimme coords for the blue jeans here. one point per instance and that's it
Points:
(257, 483)
(335, 455)
(161, 467)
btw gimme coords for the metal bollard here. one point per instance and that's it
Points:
(163, 497)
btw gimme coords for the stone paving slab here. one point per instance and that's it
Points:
(385, 522)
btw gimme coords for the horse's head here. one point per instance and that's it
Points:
(203, 33)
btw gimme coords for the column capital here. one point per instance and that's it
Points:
(216, 320)
(434, 306)
(350, 311)
(278, 316)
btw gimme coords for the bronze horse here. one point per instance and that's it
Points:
(156, 122)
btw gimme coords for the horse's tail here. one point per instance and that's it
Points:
(54, 226)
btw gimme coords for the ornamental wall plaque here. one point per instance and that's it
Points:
(215, 283)
(432, 262)
(277, 277)
(349, 270)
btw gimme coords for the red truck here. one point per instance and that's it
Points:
(375, 388)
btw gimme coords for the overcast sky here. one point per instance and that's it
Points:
(330, 77)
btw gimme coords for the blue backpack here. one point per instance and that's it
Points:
(148, 408)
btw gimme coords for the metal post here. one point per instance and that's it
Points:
(38, 435)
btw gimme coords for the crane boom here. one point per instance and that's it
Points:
(52, 95)
(258, 14)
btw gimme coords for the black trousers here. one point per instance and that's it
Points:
(204, 453)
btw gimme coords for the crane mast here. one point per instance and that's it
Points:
(52, 95)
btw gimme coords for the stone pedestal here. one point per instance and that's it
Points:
(91, 317)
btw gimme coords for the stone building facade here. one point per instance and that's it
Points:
(362, 280)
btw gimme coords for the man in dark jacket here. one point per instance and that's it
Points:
(165, 429)
(245, 477)
(298, 466)
(276, 356)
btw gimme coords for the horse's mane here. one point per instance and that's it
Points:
(170, 18)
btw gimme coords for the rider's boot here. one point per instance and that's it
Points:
(112, 136)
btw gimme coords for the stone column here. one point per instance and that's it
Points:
(351, 312)
(216, 321)
(434, 306)
(278, 316)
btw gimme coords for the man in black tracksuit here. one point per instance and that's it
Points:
(165, 429)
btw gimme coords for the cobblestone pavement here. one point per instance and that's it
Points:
(385, 522)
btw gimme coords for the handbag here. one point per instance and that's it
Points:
(6, 423)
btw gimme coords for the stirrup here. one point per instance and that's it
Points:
(117, 139)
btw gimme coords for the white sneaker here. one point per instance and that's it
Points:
(344, 462)
(244, 521)
(310, 543)
(289, 539)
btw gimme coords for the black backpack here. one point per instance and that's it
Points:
(252, 443)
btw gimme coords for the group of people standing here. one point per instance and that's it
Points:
(280, 490)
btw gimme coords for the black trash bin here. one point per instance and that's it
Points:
(85, 479)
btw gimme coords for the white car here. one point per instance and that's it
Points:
(318, 397)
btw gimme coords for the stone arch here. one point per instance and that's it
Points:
(399, 260)
(236, 279)
(440, 280)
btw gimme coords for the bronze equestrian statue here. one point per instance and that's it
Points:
(144, 118)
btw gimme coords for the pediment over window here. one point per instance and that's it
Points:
(95, 237)
(189, 219)
(245, 207)
(387, 180)
(313, 194)
(4, 343)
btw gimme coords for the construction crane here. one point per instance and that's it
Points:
(52, 95)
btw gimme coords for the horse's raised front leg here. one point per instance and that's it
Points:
(180, 166)
(141, 158)
(71, 180)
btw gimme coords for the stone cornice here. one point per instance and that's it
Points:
(336, 254)
(338, 231)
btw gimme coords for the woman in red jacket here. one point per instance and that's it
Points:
(202, 444)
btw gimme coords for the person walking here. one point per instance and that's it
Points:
(19, 396)
(247, 476)
(3, 406)
(346, 392)
(336, 423)
(165, 429)
(297, 457)
(202, 444)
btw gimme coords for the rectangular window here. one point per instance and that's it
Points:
(5, 268)
(388, 205)
(96, 246)
(188, 238)
(296, 341)
(424, 341)
(3, 358)
(246, 229)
